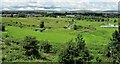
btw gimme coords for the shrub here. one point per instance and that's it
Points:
(115, 21)
(67, 54)
(113, 49)
(75, 52)
(3, 28)
(46, 46)
(33, 25)
(21, 15)
(98, 59)
(42, 24)
(31, 47)
(75, 27)
(8, 41)
(12, 53)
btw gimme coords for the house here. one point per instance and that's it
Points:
(109, 26)
(70, 15)
(15, 15)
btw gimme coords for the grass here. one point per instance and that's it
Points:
(51, 36)
(96, 40)
(49, 22)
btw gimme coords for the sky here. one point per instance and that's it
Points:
(59, 5)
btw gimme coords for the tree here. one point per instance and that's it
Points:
(83, 54)
(73, 20)
(102, 20)
(113, 49)
(46, 46)
(115, 21)
(98, 59)
(3, 28)
(80, 42)
(67, 55)
(11, 15)
(21, 15)
(31, 47)
(42, 24)
(75, 52)
(75, 27)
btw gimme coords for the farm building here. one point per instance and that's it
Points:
(109, 26)
(70, 15)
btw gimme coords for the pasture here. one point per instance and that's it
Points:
(96, 38)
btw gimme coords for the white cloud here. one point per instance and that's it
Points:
(40, 9)
(28, 8)
(6, 9)
(64, 4)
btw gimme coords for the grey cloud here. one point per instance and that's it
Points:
(59, 5)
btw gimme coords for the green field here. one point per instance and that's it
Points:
(96, 40)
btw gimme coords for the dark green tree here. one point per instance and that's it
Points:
(75, 27)
(31, 47)
(115, 21)
(102, 20)
(67, 55)
(46, 46)
(42, 24)
(73, 20)
(21, 15)
(80, 42)
(113, 50)
(3, 28)
(82, 52)
(75, 52)
(98, 59)
(11, 15)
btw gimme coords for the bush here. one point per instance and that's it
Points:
(75, 52)
(8, 41)
(65, 27)
(33, 25)
(113, 49)
(31, 47)
(12, 53)
(42, 24)
(21, 15)
(46, 46)
(98, 59)
(75, 27)
(67, 55)
(3, 28)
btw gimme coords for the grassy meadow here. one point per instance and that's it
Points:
(96, 38)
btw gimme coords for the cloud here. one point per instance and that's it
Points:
(59, 5)
(27, 8)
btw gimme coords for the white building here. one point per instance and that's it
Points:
(109, 26)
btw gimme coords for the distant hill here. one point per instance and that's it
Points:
(111, 11)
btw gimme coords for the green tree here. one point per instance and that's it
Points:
(82, 52)
(3, 28)
(46, 46)
(31, 47)
(75, 27)
(42, 24)
(115, 21)
(67, 55)
(80, 42)
(114, 46)
(21, 15)
(11, 15)
(98, 59)
(75, 52)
